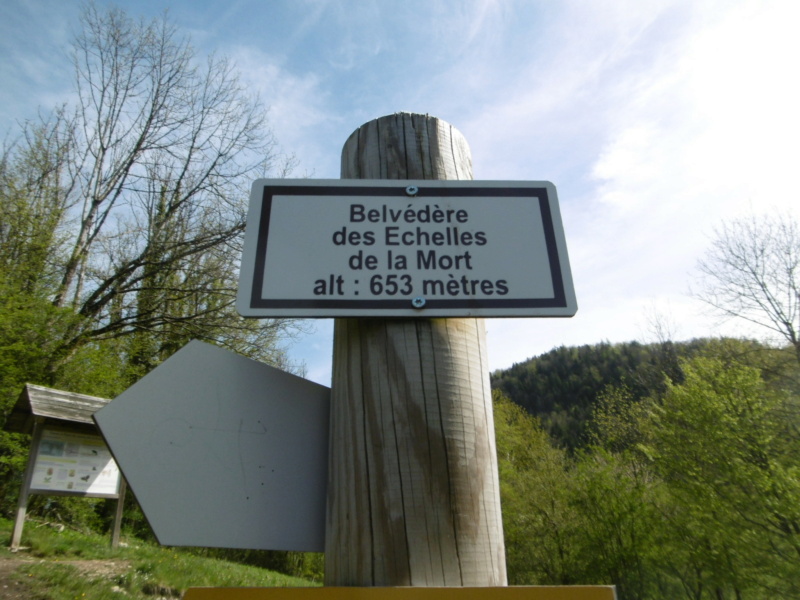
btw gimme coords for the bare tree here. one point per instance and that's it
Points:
(752, 272)
(162, 148)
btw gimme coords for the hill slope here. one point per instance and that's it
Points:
(560, 387)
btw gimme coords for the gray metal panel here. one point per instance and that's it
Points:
(224, 451)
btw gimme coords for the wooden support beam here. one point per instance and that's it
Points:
(119, 510)
(25, 490)
(413, 492)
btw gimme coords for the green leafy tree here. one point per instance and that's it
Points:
(586, 519)
(122, 214)
(538, 522)
(617, 421)
(726, 446)
(623, 501)
(135, 197)
(620, 505)
(33, 207)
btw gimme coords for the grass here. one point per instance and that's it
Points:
(142, 571)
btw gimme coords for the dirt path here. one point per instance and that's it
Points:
(12, 587)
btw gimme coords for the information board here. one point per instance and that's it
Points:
(338, 248)
(74, 463)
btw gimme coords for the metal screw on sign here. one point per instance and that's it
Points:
(418, 302)
(412, 190)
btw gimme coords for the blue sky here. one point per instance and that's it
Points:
(656, 120)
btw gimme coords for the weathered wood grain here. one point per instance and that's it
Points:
(413, 494)
(58, 405)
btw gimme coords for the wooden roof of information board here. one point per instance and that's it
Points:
(38, 401)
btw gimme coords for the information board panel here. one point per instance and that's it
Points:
(400, 248)
(75, 464)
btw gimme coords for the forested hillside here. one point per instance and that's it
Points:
(561, 387)
(680, 486)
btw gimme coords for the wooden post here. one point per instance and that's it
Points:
(119, 509)
(413, 490)
(25, 491)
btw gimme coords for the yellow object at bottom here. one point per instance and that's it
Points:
(578, 592)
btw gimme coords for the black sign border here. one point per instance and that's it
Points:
(559, 300)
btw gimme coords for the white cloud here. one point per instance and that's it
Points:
(722, 118)
(694, 122)
(299, 112)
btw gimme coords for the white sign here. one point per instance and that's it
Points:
(223, 451)
(348, 248)
(74, 463)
